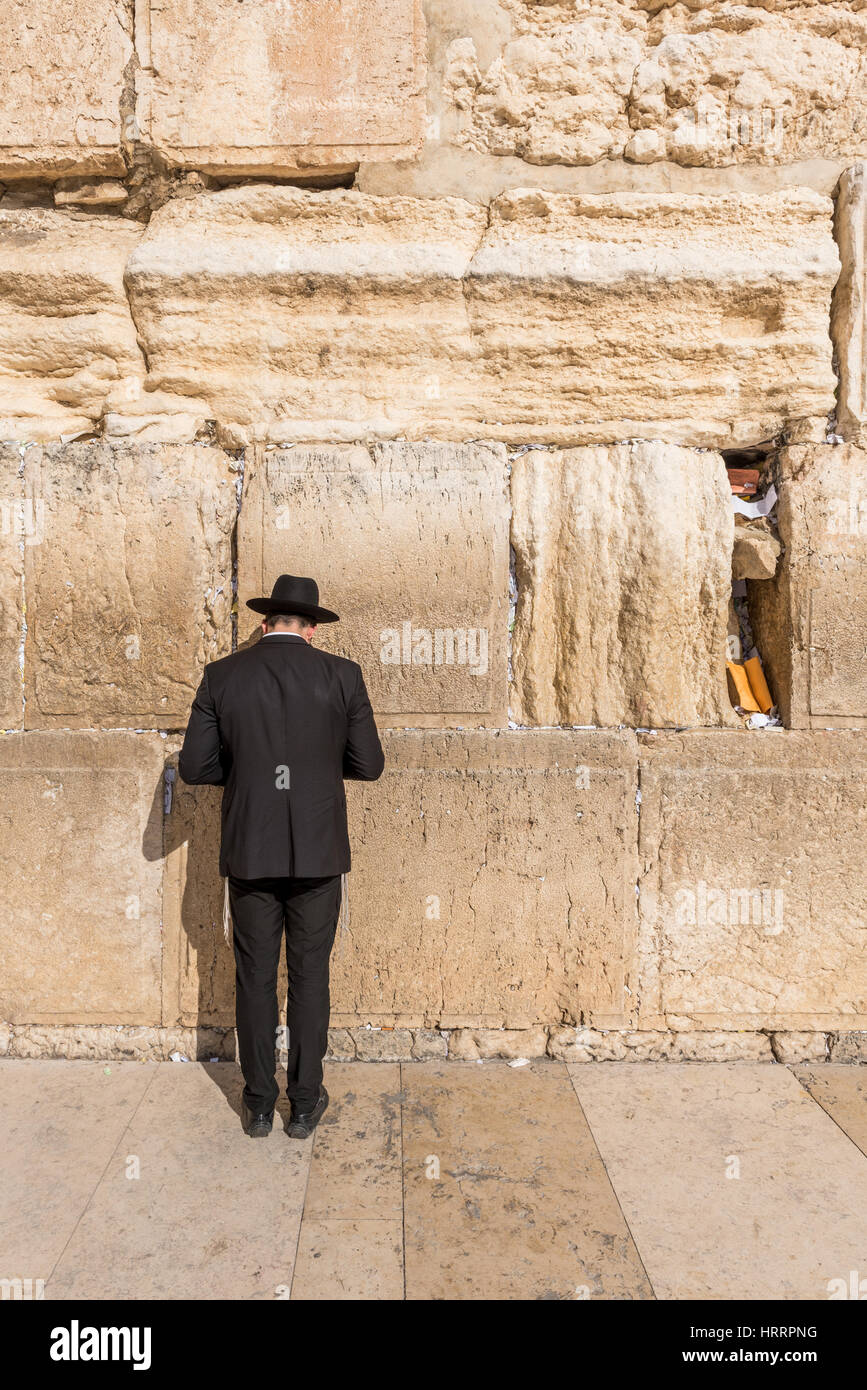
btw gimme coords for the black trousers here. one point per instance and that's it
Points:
(263, 909)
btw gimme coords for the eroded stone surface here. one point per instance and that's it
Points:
(130, 591)
(68, 348)
(667, 317)
(303, 315)
(572, 1044)
(623, 586)
(63, 90)
(409, 544)
(756, 549)
(81, 840)
(697, 84)
(791, 1048)
(471, 1044)
(847, 1047)
(655, 1045)
(849, 310)
(291, 316)
(752, 897)
(277, 89)
(19, 528)
(810, 622)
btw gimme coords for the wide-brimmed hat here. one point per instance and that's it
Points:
(293, 595)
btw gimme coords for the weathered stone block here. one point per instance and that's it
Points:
(68, 348)
(429, 1045)
(493, 881)
(849, 309)
(483, 1044)
(299, 315)
(96, 1041)
(756, 549)
(289, 316)
(383, 1044)
(553, 87)
(696, 84)
(760, 83)
(698, 320)
(623, 564)
(63, 88)
(810, 621)
(341, 1045)
(19, 528)
(130, 590)
(793, 1048)
(280, 89)
(649, 1045)
(409, 544)
(753, 901)
(81, 841)
(847, 1047)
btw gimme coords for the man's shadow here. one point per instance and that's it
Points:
(198, 976)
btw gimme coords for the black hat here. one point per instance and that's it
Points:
(293, 595)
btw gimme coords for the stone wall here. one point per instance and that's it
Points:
(464, 309)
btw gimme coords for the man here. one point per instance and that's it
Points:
(279, 725)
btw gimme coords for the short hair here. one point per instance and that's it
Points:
(272, 618)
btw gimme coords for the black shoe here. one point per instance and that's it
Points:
(301, 1126)
(257, 1126)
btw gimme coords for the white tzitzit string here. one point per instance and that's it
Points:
(227, 912)
(343, 919)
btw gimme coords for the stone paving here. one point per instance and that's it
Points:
(438, 1180)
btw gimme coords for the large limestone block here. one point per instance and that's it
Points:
(699, 320)
(130, 590)
(344, 316)
(64, 86)
(493, 885)
(493, 882)
(810, 621)
(302, 315)
(81, 840)
(623, 563)
(708, 84)
(280, 89)
(849, 311)
(753, 895)
(409, 544)
(19, 529)
(68, 346)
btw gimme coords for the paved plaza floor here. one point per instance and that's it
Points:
(439, 1180)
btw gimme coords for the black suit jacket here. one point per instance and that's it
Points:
(279, 725)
